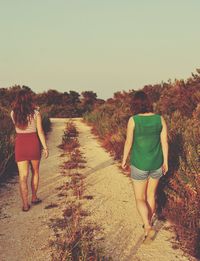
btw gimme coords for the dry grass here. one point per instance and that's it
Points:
(73, 240)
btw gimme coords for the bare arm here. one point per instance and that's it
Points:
(164, 144)
(129, 141)
(41, 134)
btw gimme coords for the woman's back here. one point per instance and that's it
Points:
(31, 127)
(147, 151)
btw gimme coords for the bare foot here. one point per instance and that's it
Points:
(149, 235)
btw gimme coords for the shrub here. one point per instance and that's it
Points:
(178, 191)
(6, 141)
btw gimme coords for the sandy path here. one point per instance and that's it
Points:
(24, 236)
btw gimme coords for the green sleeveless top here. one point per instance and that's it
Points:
(146, 153)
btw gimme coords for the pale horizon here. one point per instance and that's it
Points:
(100, 46)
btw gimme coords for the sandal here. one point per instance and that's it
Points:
(36, 201)
(26, 209)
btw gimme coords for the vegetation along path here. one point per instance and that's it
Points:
(25, 236)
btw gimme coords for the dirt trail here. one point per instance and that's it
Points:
(24, 236)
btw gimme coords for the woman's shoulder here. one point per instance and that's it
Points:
(131, 119)
(36, 111)
(162, 119)
(134, 117)
(158, 115)
(12, 114)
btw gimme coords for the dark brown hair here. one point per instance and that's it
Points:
(23, 108)
(141, 103)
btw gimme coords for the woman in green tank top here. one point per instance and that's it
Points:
(147, 141)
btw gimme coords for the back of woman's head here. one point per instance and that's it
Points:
(23, 108)
(141, 103)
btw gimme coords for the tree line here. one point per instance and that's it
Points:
(53, 102)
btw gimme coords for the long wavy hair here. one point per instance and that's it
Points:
(141, 103)
(23, 109)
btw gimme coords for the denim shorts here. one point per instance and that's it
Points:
(139, 174)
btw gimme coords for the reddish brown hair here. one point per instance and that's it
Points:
(23, 108)
(141, 103)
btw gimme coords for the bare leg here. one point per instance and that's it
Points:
(23, 175)
(35, 178)
(140, 196)
(151, 191)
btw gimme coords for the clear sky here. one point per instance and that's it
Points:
(99, 45)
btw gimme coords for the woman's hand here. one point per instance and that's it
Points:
(46, 153)
(164, 168)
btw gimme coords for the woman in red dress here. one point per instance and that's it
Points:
(29, 138)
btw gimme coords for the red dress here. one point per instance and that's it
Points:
(27, 144)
